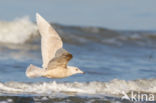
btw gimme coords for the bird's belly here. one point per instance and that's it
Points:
(54, 73)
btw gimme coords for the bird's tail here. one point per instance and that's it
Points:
(34, 71)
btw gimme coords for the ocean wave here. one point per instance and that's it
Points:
(23, 30)
(17, 31)
(114, 87)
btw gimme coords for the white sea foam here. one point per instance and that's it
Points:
(17, 31)
(114, 87)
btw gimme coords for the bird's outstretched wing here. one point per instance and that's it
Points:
(61, 59)
(50, 40)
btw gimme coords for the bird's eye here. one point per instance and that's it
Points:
(76, 69)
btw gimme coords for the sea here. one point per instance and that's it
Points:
(116, 63)
(112, 41)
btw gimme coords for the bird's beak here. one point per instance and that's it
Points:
(82, 72)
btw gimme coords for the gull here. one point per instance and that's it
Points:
(55, 58)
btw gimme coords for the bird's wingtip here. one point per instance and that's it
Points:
(37, 16)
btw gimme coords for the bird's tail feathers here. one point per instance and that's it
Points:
(34, 71)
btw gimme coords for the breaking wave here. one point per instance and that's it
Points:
(17, 31)
(23, 30)
(114, 87)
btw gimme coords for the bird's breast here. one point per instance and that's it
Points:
(55, 73)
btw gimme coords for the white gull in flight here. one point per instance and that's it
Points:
(55, 58)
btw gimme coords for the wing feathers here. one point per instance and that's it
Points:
(61, 59)
(50, 40)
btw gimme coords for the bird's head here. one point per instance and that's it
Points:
(74, 70)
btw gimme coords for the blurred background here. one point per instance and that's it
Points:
(112, 14)
(113, 41)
